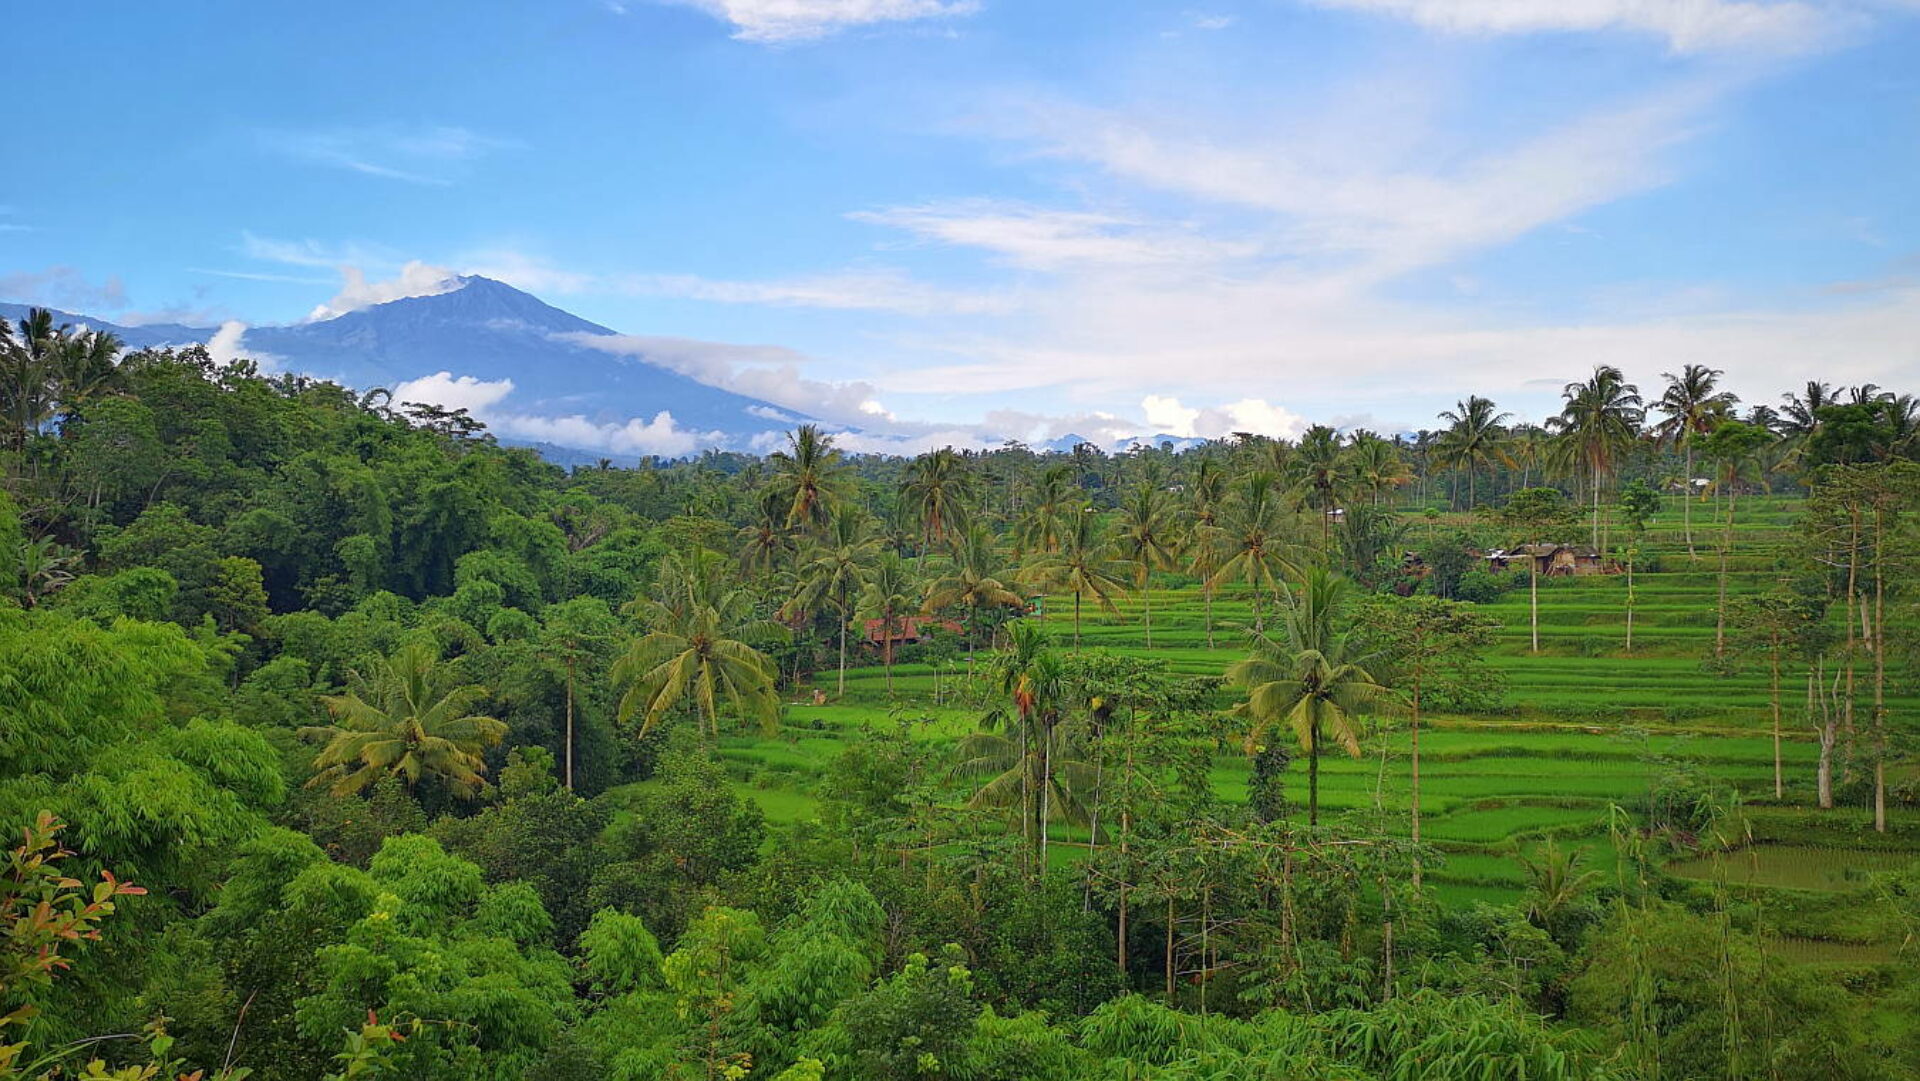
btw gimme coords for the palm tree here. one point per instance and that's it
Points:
(1083, 564)
(1056, 501)
(1252, 547)
(1147, 539)
(1313, 679)
(810, 477)
(1024, 770)
(42, 567)
(1600, 422)
(766, 540)
(411, 719)
(1556, 881)
(939, 489)
(1201, 546)
(1692, 406)
(890, 598)
(1377, 465)
(699, 646)
(974, 579)
(836, 571)
(45, 370)
(1317, 475)
(1474, 439)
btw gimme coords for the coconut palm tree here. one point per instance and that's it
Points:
(766, 541)
(890, 598)
(1693, 405)
(1147, 540)
(47, 369)
(1253, 548)
(1083, 564)
(700, 646)
(410, 718)
(1599, 424)
(1474, 440)
(974, 578)
(1317, 476)
(1312, 678)
(810, 477)
(1056, 502)
(1377, 465)
(1025, 769)
(834, 572)
(938, 488)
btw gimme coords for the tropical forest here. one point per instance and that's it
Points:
(341, 739)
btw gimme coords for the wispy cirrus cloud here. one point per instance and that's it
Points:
(1687, 26)
(1040, 238)
(434, 156)
(876, 290)
(64, 287)
(785, 21)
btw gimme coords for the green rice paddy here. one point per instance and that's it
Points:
(1586, 724)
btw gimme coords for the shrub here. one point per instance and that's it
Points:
(1480, 587)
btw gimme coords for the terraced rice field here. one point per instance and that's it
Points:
(1586, 723)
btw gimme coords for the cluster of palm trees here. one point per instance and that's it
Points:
(1605, 418)
(47, 369)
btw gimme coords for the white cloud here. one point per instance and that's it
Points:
(857, 290)
(1381, 203)
(445, 390)
(523, 271)
(662, 435)
(228, 344)
(484, 398)
(767, 372)
(312, 253)
(63, 287)
(1211, 22)
(773, 21)
(416, 155)
(1043, 239)
(1686, 25)
(1167, 416)
(416, 279)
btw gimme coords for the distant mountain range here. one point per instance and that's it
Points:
(538, 375)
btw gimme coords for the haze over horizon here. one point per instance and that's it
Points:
(956, 220)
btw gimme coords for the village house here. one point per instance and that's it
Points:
(1555, 560)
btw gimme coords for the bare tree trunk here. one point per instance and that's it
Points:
(1416, 792)
(1773, 686)
(1686, 503)
(1726, 548)
(569, 724)
(1878, 643)
(842, 693)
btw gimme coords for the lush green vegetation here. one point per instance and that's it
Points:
(398, 753)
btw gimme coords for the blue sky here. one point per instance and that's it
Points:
(972, 218)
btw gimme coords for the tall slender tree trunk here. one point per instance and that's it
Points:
(1878, 643)
(1207, 592)
(1146, 599)
(1533, 597)
(1686, 503)
(1415, 755)
(1313, 774)
(1773, 691)
(1828, 733)
(570, 723)
(1726, 549)
(842, 693)
(1076, 621)
(1046, 792)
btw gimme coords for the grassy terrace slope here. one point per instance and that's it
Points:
(1587, 724)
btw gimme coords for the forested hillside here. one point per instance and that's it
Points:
(339, 741)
